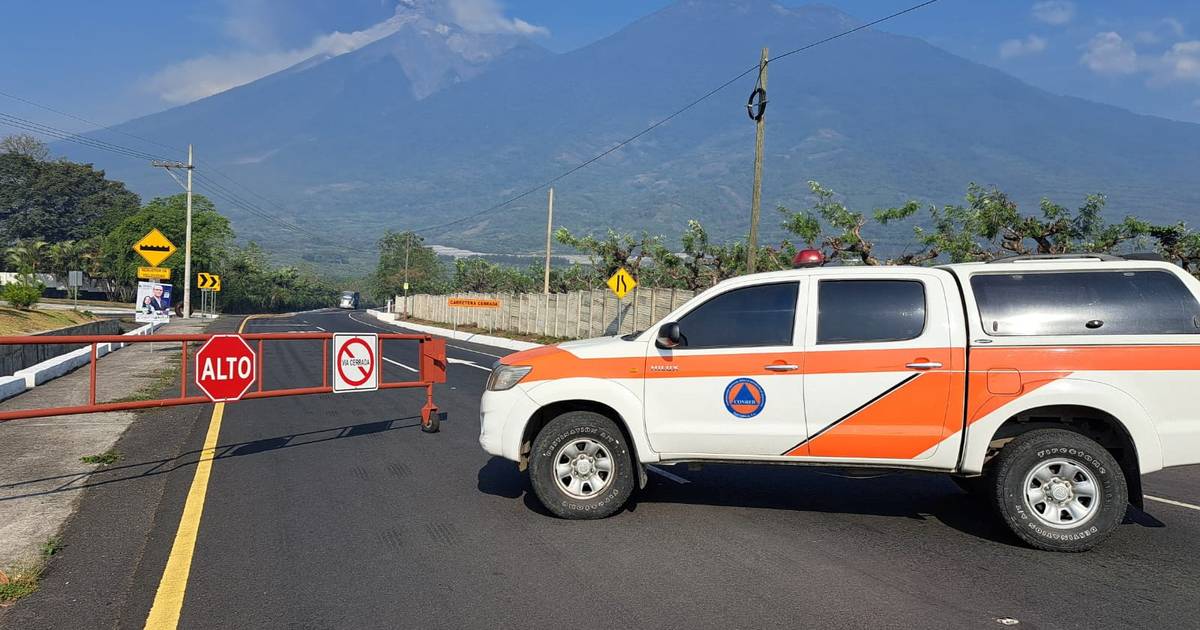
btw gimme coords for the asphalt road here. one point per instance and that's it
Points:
(335, 511)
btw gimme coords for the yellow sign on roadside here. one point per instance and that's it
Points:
(154, 273)
(473, 303)
(208, 281)
(154, 247)
(621, 283)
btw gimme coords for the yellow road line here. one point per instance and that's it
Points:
(168, 601)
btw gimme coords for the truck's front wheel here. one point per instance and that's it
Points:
(581, 467)
(1058, 490)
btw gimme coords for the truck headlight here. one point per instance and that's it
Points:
(506, 376)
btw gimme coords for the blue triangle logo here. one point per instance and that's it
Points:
(743, 397)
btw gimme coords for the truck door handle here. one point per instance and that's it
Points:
(781, 367)
(924, 365)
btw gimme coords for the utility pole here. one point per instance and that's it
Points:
(187, 244)
(187, 238)
(549, 229)
(407, 250)
(757, 111)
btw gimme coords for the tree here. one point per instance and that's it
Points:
(70, 256)
(27, 256)
(211, 235)
(425, 272)
(26, 145)
(841, 234)
(612, 251)
(59, 200)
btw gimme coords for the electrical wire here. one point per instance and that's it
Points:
(668, 118)
(217, 190)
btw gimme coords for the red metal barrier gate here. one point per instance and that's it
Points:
(431, 370)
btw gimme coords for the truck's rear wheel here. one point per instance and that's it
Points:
(580, 466)
(1058, 490)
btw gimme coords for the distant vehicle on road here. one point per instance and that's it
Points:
(349, 300)
(1047, 384)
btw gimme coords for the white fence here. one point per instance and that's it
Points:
(574, 315)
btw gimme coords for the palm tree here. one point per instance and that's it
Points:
(25, 256)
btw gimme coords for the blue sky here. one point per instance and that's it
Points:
(110, 61)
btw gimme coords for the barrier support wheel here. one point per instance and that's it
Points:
(431, 420)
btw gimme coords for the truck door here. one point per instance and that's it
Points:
(734, 386)
(880, 369)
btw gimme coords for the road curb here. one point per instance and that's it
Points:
(50, 369)
(499, 342)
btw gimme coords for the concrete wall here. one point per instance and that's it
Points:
(574, 315)
(14, 358)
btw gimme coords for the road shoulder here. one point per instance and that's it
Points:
(110, 511)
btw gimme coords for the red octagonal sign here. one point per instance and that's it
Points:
(226, 367)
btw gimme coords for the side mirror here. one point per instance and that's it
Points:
(668, 335)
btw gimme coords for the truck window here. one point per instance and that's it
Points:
(866, 311)
(760, 315)
(1085, 303)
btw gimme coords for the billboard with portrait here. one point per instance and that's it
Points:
(153, 303)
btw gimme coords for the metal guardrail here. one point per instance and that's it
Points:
(432, 370)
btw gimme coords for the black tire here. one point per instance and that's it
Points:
(1029, 452)
(579, 427)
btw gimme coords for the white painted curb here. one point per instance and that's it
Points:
(51, 369)
(489, 340)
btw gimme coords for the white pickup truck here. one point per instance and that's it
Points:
(1048, 384)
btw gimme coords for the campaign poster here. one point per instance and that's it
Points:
(153, 303)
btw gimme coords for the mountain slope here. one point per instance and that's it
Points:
(353, 145)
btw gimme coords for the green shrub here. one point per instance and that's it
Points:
(24, 293)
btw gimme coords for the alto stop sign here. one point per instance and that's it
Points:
(226, 367)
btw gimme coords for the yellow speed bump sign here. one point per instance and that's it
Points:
(621, 283)
(154, 247)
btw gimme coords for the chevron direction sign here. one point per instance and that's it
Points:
(208, 281)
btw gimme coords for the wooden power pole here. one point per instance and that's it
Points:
(759, 116)
(549, 230)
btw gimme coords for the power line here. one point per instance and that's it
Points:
(668, 118)
(207, 167)
(214, 188)
(99, 126)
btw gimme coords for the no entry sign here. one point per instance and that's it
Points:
(355, 362)
(226, 366)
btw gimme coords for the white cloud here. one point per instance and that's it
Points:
(1166, 28)
(1180, 63)
(1108, 53)
(1173, 26)
(1054, 11)
(487, 16)
(206, 75)
(1031, 45)
(202, 76)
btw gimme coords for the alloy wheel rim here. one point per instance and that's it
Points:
(583, 468)
(1061, 493)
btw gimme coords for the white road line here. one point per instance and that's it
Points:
(1176, 503)
(450, 345)
(672, 476)
(400, 364)
(470, 363)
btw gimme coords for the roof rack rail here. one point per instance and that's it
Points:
(1152, 256)
(1025, 257)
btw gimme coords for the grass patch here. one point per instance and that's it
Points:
(54, 544)
(23, 579)
(17, 322)
(107, 458)
(165, 378)
(21, 582)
